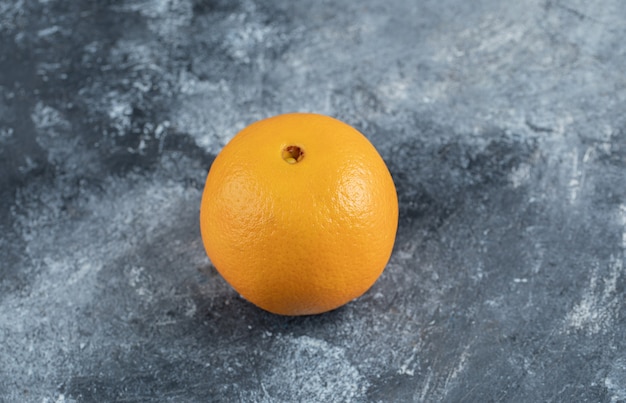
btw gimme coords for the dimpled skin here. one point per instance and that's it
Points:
(299, 237)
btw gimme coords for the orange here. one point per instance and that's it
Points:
(299, 214)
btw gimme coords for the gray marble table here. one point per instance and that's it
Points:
(503, 124)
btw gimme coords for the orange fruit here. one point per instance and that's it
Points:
(299, 214)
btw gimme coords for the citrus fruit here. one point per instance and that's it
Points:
(299, 214)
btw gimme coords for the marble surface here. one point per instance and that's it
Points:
(503, 124)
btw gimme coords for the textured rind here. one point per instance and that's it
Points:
(300, 238)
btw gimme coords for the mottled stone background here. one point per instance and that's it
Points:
(503, 124)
